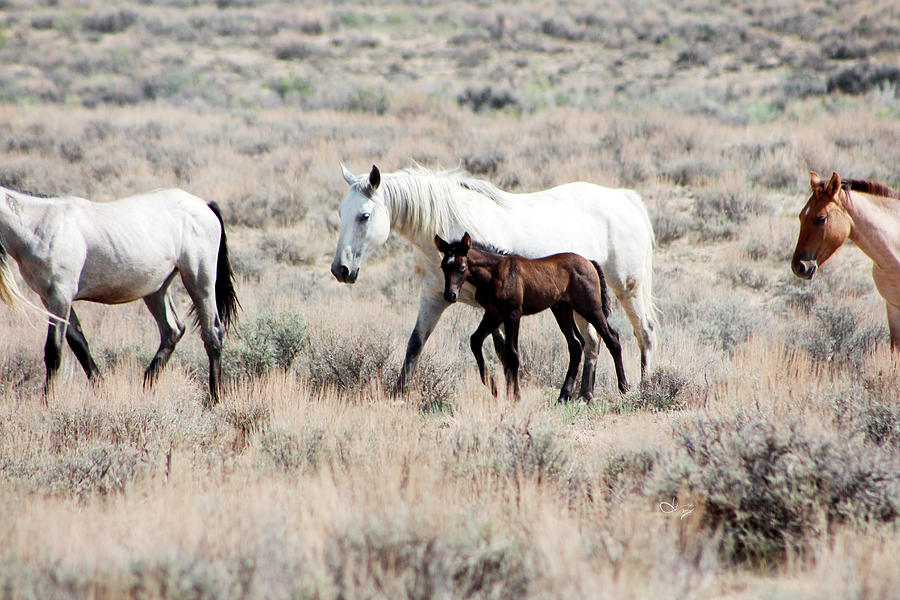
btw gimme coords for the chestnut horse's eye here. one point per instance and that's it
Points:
(821, 220)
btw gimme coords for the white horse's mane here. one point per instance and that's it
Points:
(424, 200)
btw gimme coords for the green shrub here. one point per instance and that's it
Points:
(660, 391)
(835, 336)
(271, 342)
(351, 362)
(296, 451)
(727, 325)
(771, 489)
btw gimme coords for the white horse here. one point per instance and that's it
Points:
(610, 226)
(69, 249)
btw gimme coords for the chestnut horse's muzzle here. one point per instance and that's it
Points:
(804, 269)
(450, 296)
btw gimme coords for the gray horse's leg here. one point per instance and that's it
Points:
(79, 345)
(170, 329)
(57, 305)
(431, 307)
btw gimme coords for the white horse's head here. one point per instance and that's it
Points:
(365, 224)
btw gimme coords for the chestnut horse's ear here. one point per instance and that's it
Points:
(375, 178)
(349, 177)
(834, 184)
(814, 179)
(466, 241)
(442, 246)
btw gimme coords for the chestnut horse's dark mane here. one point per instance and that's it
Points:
(869, 187)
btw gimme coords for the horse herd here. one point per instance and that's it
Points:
(512, 254)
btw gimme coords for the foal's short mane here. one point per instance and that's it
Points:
(490, 248)
(870, 187)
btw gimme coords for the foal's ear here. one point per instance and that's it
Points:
(375, 178)
(814, 179)
(442, 246)
(349, 177)
(466, 241)
(834, 184)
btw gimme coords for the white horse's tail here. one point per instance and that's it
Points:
(647, 287)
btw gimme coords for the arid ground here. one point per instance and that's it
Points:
(761, 457)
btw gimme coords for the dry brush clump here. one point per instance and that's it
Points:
(774, 489)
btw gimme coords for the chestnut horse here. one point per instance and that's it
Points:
(866, 212)
(509, 287)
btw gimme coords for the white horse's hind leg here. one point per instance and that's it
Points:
(633, 303)
(170, 329)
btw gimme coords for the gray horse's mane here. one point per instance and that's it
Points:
(427, 201)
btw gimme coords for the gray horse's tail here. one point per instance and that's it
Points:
(226, 299)
(9, 291)
(604, 292)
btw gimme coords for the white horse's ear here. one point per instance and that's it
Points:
(374, 178)
(349, 177)
(814, 179)
(834, 184)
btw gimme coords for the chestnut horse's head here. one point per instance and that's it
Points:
(824, 226)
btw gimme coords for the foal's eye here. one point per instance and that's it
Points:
(461, 268)
(364, 216)
(821, 220)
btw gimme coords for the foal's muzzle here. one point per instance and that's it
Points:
(804, 269)
(343, 273)
(451, 296)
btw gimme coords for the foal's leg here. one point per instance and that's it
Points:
(511, 353)
(591, 346)
(170, 329)
(489, 323)
(78, 344)
(594, 314)
(563, 314)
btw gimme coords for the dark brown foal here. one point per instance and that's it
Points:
(509, 287)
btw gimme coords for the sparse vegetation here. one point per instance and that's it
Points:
(758, 459)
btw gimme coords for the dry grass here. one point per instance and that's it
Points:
(770, 423)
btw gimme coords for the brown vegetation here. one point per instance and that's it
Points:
(769, 426)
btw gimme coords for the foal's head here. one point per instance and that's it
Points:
(455, 264)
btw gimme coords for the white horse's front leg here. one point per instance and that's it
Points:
(431, 307)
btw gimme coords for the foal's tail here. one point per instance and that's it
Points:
(604, 292)
(226, 299)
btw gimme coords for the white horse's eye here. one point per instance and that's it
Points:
(365, 216)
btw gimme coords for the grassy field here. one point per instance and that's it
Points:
(759, 460)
